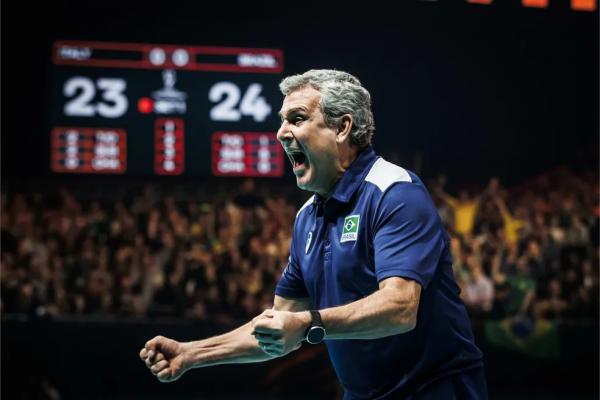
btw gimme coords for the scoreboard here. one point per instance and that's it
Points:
(152, 109)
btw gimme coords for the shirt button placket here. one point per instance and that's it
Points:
(327, 247)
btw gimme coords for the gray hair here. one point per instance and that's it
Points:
(341, 93)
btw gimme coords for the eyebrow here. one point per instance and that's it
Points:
(291, 110)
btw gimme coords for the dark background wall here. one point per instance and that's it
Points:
(97, 359)
(474, 90)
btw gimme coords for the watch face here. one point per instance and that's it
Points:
(315, 335)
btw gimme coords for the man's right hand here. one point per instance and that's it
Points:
(166, 358)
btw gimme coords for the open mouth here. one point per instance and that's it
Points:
(297, 158)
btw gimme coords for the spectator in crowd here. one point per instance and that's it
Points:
(464, 208)
(512, 225)
(478, 290)
(554, 305)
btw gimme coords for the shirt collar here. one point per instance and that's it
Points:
(353, 177)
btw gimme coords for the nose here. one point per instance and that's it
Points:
(284, 134)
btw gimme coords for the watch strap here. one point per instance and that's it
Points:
(315, 318)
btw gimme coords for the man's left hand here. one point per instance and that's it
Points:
(280, 332)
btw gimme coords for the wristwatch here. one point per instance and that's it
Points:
(315, 332)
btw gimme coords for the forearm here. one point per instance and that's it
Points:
(386, 312)
(235, 347)
(451, 201)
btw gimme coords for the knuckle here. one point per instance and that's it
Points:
(163, 376)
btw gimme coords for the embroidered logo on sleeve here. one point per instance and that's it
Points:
(308, 240)
(350, 229)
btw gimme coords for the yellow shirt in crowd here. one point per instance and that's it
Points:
(464, 215)
(512, 226)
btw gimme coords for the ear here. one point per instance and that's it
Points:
(344, 128)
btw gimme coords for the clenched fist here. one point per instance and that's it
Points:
(166, 358)
(280, 332)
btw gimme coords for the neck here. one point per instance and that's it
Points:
(347, 155)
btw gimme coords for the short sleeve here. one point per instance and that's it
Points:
(409, 239)
(291, 284)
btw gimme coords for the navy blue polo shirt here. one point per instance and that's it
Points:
(381, 222)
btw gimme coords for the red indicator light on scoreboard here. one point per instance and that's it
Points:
(252, 154)
(145, 105)
(89, 150)
(169, 146)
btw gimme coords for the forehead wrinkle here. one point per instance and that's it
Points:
(305, 99)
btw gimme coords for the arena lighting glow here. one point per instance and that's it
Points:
(480, 1)
(535, 3)
(584, 5)
(144, 109)
(577, 5)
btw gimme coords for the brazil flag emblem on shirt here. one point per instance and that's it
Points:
(350, 229)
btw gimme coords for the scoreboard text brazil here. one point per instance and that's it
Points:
(142, 109)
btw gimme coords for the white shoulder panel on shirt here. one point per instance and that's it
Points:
(308, 203)
(384, 174)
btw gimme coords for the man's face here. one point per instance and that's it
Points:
(309, 143)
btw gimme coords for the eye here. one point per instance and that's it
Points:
(297, 119)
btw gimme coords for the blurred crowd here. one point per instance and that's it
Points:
(147, 256)
(528, 250)
(531, 251)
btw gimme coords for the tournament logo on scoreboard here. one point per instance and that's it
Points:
(169, 100)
